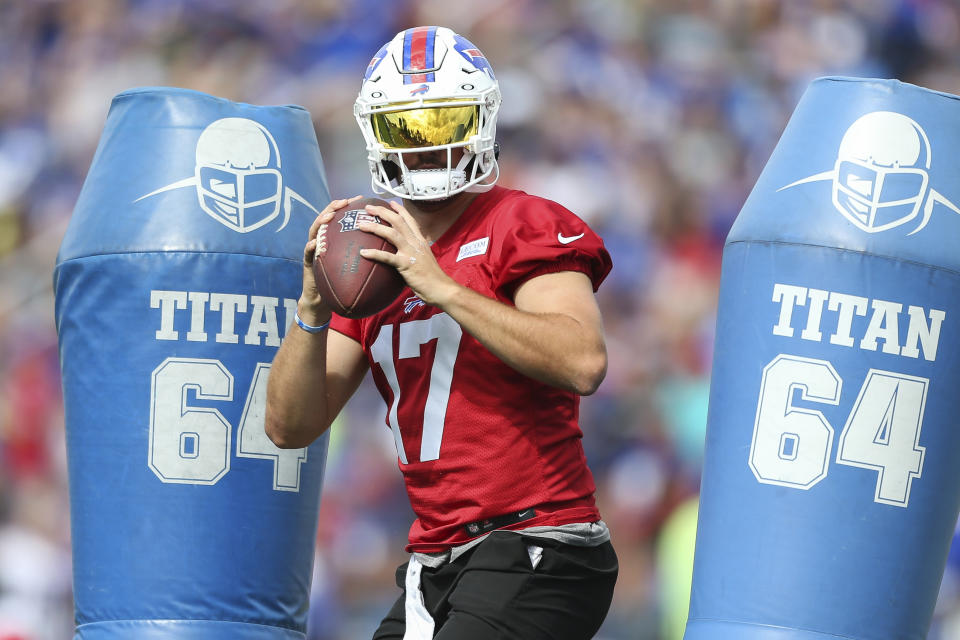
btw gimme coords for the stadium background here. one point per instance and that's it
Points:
(649, 119)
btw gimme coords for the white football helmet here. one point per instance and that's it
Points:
(429, 89)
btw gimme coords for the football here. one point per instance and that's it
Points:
(352, 285)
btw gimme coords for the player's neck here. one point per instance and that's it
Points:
(435, 217)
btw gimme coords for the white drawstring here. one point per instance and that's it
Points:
(419, 622)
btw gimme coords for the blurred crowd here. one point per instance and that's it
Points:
(650, 119)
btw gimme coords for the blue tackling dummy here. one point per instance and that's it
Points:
(831, 486)
(176, 280)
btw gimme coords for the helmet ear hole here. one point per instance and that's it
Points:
(391, 169)
(496, 150)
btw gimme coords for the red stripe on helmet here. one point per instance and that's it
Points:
(418, 49)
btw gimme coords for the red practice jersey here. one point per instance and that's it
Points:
(475, 438)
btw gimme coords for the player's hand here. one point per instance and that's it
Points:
(413, 259)
(311, 306)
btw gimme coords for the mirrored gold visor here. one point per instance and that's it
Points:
(426, 127)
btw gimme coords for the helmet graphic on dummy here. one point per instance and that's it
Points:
(881, 172)
(238, 173)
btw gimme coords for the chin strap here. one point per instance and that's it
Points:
(434, 183)
(429, 184)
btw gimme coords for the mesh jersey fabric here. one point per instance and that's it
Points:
(478, 438)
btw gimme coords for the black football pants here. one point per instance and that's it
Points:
(493, 592)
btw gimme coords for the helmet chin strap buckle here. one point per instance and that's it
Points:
(428, 184)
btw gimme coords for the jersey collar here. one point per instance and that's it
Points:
(473, 213)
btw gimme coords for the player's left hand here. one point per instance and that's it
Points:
(413, 259)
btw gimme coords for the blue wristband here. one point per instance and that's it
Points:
(307, 327)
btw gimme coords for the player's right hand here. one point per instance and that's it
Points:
(311, 306)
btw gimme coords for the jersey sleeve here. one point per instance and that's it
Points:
(540, 236)
(349, 327)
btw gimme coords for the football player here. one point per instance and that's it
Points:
(481, 362)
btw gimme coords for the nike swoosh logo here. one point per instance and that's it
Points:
(567, 239)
